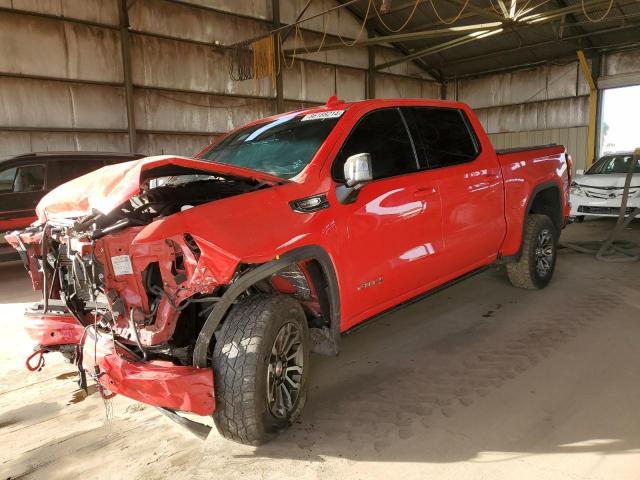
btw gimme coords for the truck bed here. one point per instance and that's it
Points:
(505, 151)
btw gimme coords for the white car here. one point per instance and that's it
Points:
(598, 191)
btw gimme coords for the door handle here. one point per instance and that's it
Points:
(424, 192)
(491, 176)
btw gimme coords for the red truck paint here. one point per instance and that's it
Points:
(437, 225)
(156, 382)
(13, 223)
(53, 329)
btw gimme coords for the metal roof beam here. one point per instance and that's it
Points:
(483, 12)
(571, 16)
(535, 45)
(538, 18)
(434, 73)
(401, 37)
(471, 37)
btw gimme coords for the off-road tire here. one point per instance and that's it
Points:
(525, 272)
(240, 364)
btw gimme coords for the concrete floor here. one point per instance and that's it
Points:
(480, 381)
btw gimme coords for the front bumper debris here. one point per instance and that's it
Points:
(56, 327)
(156, 382)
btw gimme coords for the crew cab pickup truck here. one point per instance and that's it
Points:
(202, 284)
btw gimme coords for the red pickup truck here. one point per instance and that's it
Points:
(202, 285)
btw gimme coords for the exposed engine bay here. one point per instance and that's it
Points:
(88, 264)
(164, 196)
(151, 299)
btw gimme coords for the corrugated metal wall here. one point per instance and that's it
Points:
(546, 104)
(575, 139)
(62, 78)
(542, 105)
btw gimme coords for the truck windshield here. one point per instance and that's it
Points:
(282, 147)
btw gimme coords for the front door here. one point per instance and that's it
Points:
(391, 236)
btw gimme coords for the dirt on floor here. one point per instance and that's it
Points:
(481, 380)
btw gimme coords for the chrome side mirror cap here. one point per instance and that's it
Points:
(357, 169)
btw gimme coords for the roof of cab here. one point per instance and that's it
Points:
(78, 156)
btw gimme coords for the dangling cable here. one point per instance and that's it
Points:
(446, 22)
(406, 22)
(599, 19)
(136, 337)
(39, 362)
(364, 22)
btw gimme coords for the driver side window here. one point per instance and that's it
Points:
(381, 133)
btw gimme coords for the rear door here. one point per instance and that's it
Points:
(70, 168)
(21, 188)
(391, 234)
(470, 184)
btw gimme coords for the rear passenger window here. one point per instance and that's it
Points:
(27, 178)
(70, 169)
(443, 136)
(382, 134)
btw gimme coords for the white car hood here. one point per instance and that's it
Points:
(615, 180)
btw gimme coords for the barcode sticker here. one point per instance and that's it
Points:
(322, 115)
(122, 265)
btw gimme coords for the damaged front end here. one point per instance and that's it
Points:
(128, 312)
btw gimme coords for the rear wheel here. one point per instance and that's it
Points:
(261, 364)
(538, 257)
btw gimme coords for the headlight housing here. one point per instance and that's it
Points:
(576, 190)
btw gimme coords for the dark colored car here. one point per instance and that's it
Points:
(25, 179)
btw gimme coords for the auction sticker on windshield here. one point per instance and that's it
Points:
(322, 115)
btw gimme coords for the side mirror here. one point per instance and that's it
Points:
(580, 171)
(357, 169)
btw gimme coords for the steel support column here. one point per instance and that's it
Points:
(371, 73)
(593, 105)
(275, 18)
(126, 68)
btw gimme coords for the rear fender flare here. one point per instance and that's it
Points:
(536, 190)
(261, 272)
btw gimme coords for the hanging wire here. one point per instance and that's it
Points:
(241, 61)
(259, 58)
(455, 19)
(263, 58)
(364, 23)
(325, 27)
(406, 22)
(598, 19)
(493, 7)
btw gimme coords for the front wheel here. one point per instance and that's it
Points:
(261, 365)
(538, 257)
